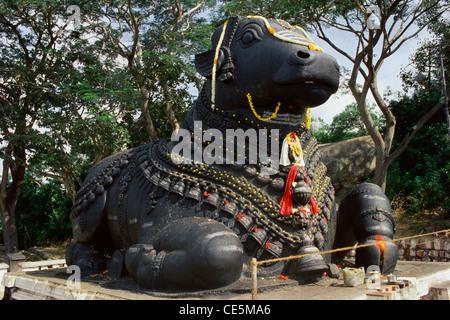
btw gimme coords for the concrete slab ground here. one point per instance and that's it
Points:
(52, 284)
(419, 276)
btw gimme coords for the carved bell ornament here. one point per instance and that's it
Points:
(301, 193)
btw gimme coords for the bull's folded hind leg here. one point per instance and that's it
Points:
(191, 253)
(365, 217)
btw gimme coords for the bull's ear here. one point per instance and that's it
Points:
(204, 63)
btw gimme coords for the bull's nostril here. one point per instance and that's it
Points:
(303, 54)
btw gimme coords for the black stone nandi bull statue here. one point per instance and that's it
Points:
(196, 225)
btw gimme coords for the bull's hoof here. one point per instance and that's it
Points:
(310, 266)
(89, 260)
(143, 265)
(379, 255)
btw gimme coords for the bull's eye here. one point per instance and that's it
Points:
(249, 37)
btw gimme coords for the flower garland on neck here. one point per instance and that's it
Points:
(249, 97)
(308, 118)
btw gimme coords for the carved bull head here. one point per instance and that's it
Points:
(270, 59)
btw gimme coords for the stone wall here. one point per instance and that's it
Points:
(349, 162)
(424, 249)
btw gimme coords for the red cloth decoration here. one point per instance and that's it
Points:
(286, 201)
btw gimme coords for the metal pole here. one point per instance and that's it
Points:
(254, 270)
(444, 92)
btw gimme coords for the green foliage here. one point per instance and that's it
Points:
(421, 174)
(345, 125)
(59, 98)
(69, 98)
(177, 77)
(424, 187)
(42, 217)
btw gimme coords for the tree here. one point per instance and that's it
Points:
(422, 171)
(346, 125)
(43, 219)
(24, 59)
(45, 115)
(152, 37)
(421, 174)
(68, 93)
(296, 12)
(376, 43)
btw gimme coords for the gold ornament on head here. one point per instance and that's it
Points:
(214, 69)
(308, 42)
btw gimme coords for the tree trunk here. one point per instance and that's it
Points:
(135, 66)
(382, 148)
(169, 111)
(149, 127)
(9, 227)
(9, 195)
(384, 155)
(69, 184)
(381, 169)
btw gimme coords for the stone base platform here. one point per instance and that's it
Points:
(51, 284)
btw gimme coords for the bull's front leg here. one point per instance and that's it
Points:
(191, 253)
(365, 217)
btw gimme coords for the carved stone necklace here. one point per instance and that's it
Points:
(242, 199)
(237, 195)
